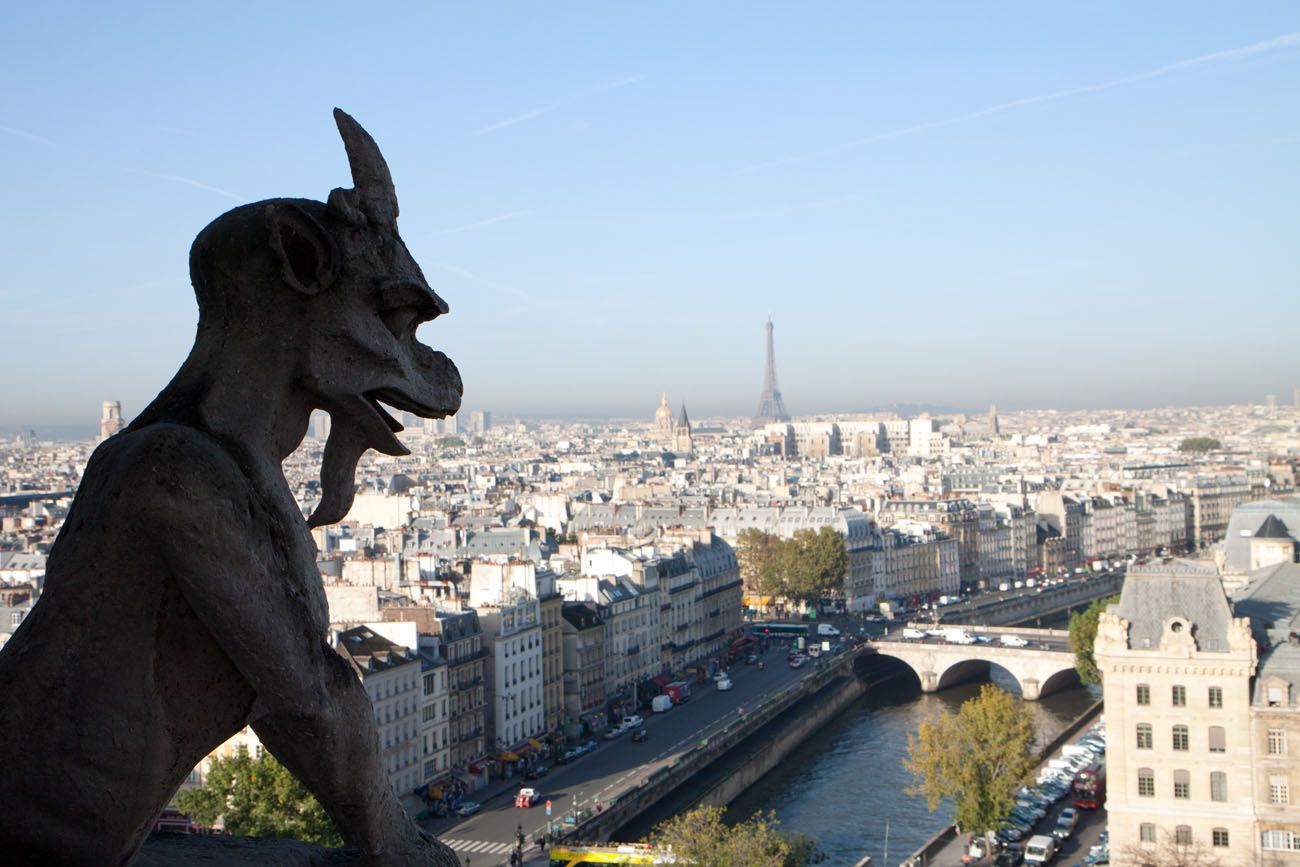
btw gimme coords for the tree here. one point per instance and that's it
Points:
(1083, 634)
(258, 798)
(700, 837)
(1170, 853)
(977, 757)
(1199, 444)
(758, 555)
(820, 560)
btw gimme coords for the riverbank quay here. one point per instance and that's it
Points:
(948, 846)
(833, 684)
(1027, 606)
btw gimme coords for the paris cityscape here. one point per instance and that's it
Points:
(843, 437)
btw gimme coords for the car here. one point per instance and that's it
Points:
(567, 756)
(1013, 641)
(640, 735)
(614, 732)
(536, 772)
(468, 808)
(751, 659)
(719, 674)
(1011, 856)
(632, 721)
(527, 797)
(797, 662)
(725, 684)
(1063, 829)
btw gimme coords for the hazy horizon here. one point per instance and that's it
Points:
(1078, 205)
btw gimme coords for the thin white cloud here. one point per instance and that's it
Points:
(1228, 55)
(519, 118)
(31, 136)
(483, 224)
(482, 281)
(189, 181)
(621, 82)
(535, 113)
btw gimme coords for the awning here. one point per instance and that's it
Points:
(535, 743)
(661, 679)
(435, 792)
(508, 756)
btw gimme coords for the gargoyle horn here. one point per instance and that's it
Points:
(372, 183)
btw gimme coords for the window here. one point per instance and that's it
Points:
(1180, 738)
(1277, 742)
(1218, 742)
(1144, 736)
(1216, 696)
(1147, 832)
(1274, 696)
(1218, 786)
(1279, 790)
(1146, 783)
(1143, 694)
(1219, 837)
(1180, 696)
(1183, 835)
(1182, 784)
(1284, 840)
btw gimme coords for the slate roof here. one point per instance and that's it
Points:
(1271, 599)
(1272, 528)
(1184, 587)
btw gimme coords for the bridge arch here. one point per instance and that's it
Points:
(941, 665)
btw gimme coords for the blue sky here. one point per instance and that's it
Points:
(1037, 204)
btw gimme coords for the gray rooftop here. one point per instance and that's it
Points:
(1155, 592)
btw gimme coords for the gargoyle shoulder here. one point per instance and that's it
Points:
(170, 471)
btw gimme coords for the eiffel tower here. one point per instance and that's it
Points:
(770, 406)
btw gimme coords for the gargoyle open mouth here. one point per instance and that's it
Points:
(397, 400)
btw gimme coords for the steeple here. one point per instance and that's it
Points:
(682, 420)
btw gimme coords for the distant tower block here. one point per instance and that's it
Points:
(994, 426)
(770, 405)
(1296, 396)
(1270, 401)
(110, 421)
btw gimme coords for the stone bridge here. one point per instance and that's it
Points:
(1040, 668)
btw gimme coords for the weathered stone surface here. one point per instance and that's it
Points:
(182, 599)
(170, 850)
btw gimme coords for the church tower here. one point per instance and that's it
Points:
(664, 422)
(682, 443)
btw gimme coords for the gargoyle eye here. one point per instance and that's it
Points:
(401, 321)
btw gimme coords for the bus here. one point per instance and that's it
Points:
(779, 630)
(1090, 787)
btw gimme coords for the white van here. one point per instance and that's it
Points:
(1040, 849)
(826, 629)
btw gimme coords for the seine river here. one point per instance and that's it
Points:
(844, 786)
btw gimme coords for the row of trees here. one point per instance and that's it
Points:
(258, 797)
(805, 567)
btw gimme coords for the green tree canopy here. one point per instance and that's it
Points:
(977, 757)
(817, 562)
(1199, 444)
(1083, 633)
(700, 837)
(757, 555)
(258, 798)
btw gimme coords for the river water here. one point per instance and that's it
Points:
(844, 786)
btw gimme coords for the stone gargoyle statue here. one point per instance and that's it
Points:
(182, 599)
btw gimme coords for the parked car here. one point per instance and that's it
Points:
(614, 732)
(797, 662)
(1011, 856)
(468, 808)
(1065, 823)
(914, 634)
(725, 684)
(632, 721)
(640, 735)
(536, 772)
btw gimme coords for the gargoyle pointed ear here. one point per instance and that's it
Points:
(309, 259)
(373, 189)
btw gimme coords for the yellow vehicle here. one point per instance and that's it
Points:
(627, 853)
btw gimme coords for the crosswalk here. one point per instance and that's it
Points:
(481, 847)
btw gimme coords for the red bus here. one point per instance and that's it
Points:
(1090, 787)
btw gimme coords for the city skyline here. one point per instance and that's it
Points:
(956, 211)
